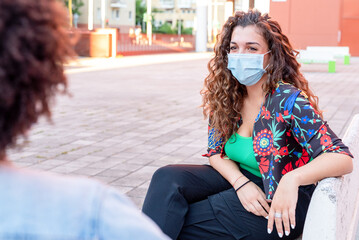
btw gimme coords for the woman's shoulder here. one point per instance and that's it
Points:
(284, 97)
(284, 89)
(287, 92)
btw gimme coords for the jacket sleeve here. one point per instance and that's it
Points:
(311, 132)
(215, 144)
(119, 219)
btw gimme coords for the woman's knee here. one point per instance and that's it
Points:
(168, 174)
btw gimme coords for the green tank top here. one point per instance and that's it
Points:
(240, 149)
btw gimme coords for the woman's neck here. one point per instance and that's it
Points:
(255, 92)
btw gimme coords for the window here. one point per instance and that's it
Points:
(130, 15)
(115, 14)
(98, 13)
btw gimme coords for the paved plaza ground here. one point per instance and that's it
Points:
(129, 116)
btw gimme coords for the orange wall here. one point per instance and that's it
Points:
(350, 26)
(319, 22)
(308, 22)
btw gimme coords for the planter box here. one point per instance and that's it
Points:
(98, 43)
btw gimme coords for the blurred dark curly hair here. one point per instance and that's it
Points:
(34, 44)
(223, 95)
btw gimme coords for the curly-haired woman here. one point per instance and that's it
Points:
(34, 44)
(268, 144)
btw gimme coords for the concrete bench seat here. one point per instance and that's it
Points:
(333, 210)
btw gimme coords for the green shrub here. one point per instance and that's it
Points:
(164, 28)
(187, 31)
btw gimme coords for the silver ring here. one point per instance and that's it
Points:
(277, 215)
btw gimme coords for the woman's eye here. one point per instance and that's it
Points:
(252, 49)
(232, 48)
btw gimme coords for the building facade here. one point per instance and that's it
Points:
(174, 11)
(184, 11)
(118, 14)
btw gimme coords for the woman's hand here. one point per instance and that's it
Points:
(282, 210)
(252, 198)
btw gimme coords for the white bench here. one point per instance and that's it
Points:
(333, 210)
(306, 56)
(336, 51)
(328, 55)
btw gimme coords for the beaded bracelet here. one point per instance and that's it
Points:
(237, 180)
(242, 185)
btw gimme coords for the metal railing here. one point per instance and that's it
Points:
(135, 44)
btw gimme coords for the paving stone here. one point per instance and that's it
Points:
(128, 181)
(87, 171)
(31, 160)
(113, 173)
(85, 134)
(143, 173)
(106, 163)
(126, 155)
(106, 152)
(124, 190)
(127, 167)
(42, 167)
(23, 164)
(104, 179)
(143, 148)
(83, 142)
(76, 164)
(138, 191)
(64, 169)
(90, 159)
(54, 162)
(68, 156)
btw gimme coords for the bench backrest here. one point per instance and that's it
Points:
(333, 210)
(310, 56)
(335, 50)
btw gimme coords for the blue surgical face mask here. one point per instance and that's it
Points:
(246, 68)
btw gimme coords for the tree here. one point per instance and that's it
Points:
(140, 10)
(76, 5)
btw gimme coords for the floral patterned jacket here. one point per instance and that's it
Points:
(287, 134)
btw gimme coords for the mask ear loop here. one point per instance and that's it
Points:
(265, 69)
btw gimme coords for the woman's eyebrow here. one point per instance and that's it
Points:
(233, 43)
(249, 43)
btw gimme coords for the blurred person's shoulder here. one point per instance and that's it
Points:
(43, 205)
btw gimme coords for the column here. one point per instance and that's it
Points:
(201, 33)
(90, 15)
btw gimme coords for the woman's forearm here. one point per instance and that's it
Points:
(227, 168)
(323, 166)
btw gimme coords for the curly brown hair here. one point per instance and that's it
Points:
(223, 95)
(34, 44)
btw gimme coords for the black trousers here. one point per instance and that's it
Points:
(196, 202)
